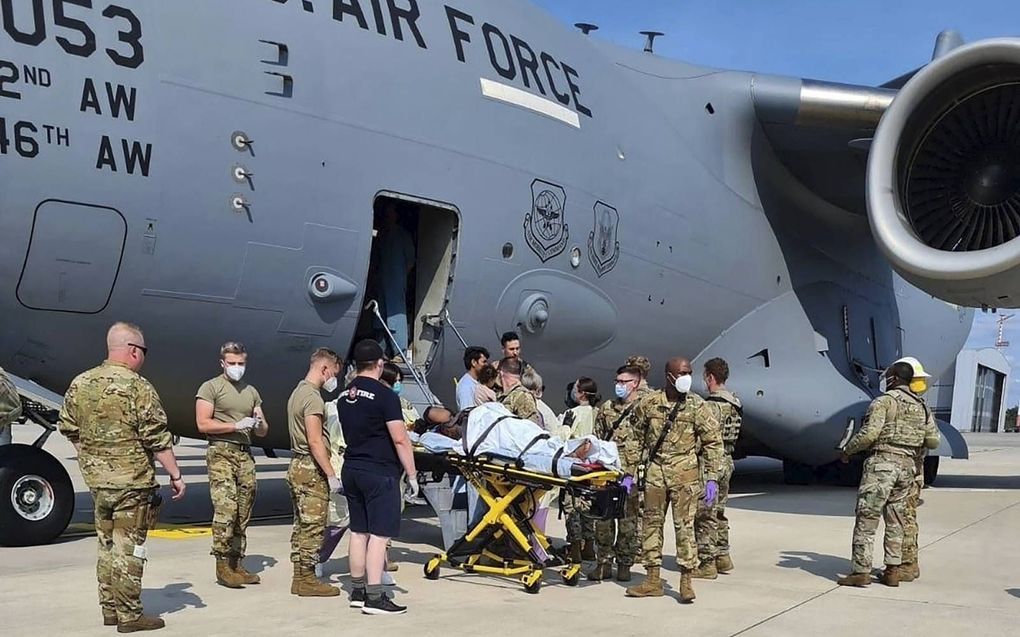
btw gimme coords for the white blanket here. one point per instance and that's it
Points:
(510, 436)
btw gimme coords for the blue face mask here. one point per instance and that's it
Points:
(621, 391)
(397, 386)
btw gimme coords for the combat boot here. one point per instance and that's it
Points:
(600, 572)
(859, 580)
(623, 573)
(907, 572)
(651, 586)
(891, 576)
(144, 622)
(707, 570)
(588, 551)
(109, 619)
(247, 577)
(687, 587)
(226, 576)
(305, 585)
(723, 564)
(574, 554)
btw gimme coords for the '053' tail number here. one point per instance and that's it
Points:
(24, 21)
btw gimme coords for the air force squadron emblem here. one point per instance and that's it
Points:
(603, 245)
(544, 227)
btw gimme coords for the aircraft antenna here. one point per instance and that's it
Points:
(1000, 341)
(650, 41)
(586, 27)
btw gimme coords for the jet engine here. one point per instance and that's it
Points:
(943, 177)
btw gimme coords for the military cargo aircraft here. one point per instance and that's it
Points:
(213, 171)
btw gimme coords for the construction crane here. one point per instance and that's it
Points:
(1000, 341)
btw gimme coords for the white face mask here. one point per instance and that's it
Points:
(683, 383)
(234, 372)
(330, 385)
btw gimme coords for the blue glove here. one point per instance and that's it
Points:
(711, 491)
(628, 483)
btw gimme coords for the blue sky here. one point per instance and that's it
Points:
(858, 42)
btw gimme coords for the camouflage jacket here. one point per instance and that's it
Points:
(898, 421)
(626, 436)
(729, 414)
(522, 404)
(117, 419)
(693, 446)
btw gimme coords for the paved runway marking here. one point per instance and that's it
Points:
(180, 533)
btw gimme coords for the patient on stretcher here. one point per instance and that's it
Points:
(491, 429)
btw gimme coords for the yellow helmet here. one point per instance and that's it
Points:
(916, 365)
(920, 383)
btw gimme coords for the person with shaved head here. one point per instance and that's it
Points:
(681, 444)
(116, 422)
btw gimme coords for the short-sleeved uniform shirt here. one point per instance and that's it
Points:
(365, 408)
(304, 401)
(232, 402)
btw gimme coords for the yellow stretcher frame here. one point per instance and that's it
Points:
(511, 494)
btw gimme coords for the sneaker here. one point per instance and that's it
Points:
(318, 571)
(387, 579)
(358, 598)
(382, 606)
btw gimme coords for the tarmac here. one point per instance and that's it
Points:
(789, 546)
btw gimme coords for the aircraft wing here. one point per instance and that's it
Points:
(935, 165)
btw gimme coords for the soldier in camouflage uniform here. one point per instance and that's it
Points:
(897, 426)
(910, 568)
(690, 449)
(228, 410)
(117, 424)
(10, 407)
(614, 422)
(310, 475)
(711, 526)
(515, 397)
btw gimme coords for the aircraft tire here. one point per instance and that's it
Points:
(797, 473)
(931, 470)
(36, 496)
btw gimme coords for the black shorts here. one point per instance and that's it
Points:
(373, 501)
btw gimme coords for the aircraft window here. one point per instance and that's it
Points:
(508, 250)
(575, 257)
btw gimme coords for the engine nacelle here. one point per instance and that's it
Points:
(944, 177)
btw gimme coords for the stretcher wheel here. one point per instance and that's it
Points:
(432, 569)
(533, 582)
(572, 579)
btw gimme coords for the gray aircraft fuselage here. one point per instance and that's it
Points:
(129, 191)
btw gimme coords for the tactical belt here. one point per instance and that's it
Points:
(233, 445)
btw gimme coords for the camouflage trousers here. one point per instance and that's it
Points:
(711, 526)
(910, 528)
(684, 500)
(121, 527)
(620, 539)
(232, 487)
(580, 527)
(885, 487)
(309, 493)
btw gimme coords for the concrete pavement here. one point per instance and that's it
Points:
(790, 544)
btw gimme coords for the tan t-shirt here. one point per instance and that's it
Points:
(304, 401)
(232, 402)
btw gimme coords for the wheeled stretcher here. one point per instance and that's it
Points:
(505, 540)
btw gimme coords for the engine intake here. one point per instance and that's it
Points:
(944, 177)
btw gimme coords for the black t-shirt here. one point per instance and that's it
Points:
(364, 409)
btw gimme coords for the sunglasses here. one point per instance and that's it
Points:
(145, 350)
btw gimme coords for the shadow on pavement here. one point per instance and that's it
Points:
(170, 599)
(1015, 592)
(828, 567)
(797, 500)
(259, 563)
